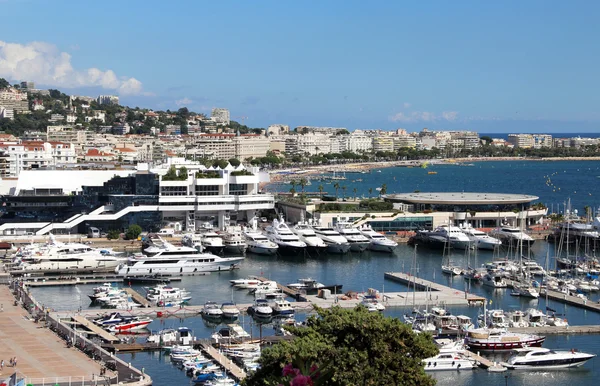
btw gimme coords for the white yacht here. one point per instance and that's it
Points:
(512, 236)
(446, 235)
(306, 234)
(533, 358)
(451, 357)
(212, 309)
(525, 290)
(530, 267)
(372, 304)
(261, 308)
(286, 240)
(358, 242)
(282, 307)
(336, 243)
(480, 239)
(245, 283)
(234, 241)
(517, 319)
(212, 242)
(67, 256)
(494, 280)
(378, 242)
(167, 259)
(230, 310)
(164, 292)
(259, 243)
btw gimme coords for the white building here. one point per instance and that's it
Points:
(37, 155)
(7, 113)
(278, 129)
(220, 116)
(360, 143)
(13, 99)
(97, 114)
(108, 100)
(383, 144)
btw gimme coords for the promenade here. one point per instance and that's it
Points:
(40, 353)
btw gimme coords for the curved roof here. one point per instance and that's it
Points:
(461, 198)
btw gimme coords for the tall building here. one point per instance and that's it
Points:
(28, 85)
(220, 116)
(108, 100)
(13, 99)
(278, 129)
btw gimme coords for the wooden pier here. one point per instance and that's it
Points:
(90, 326)
(481, 361)
(230, 367)
(556, 330)
(137, 297)
(442, 293)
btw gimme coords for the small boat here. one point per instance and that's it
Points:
(245, 283)
(233, 333)
(211, 310)
(110, 319)
(495, 339)
(230, 310)
(451, 270)
(282, 307)
(136, 323)
(372, 304)
(261, 308)
(451, 357)
(311, 286)
(259, 243)
(545, 358)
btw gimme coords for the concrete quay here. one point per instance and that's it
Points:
(42, 357)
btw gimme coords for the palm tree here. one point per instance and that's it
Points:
(344, 190)
(303, 183)
(292, 190)
(354, 190)
(370, 192)
(294, 183)
(383, 189)
(336, 187)
(321, 188)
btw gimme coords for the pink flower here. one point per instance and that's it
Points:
(301, 380)
(290, 370)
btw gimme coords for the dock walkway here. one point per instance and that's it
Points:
(442, 293)
(483, 362)
(286, 290)
(227, 363)
(105, 335)
(137, 297)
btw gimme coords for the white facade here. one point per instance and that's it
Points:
(278, 129)
(7, 113)
(358, 143)
(36, 155)
(220, 116)
(13, 99)
(108, 100)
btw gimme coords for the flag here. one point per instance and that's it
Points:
(10, 381)
(550, 309)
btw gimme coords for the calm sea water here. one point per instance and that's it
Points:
(362, 271)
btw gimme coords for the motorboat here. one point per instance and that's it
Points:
(378, 242)
(495, 339)
(443, 320)
(451, 269)
(512, 236)
(233, 333)
(230, 310)
(265, 287)
(182, 336)
(261, 308)
(372, 303)
(307, 235)
(494, 280)
(502, 266)
(212, 310)
(286, 240)
(164, 292)
(282, 307)
(451, 356)
(534, 358)
(517, 319)
(135, 323)
(336, 243)
(493, 319)
(464, 322)
(110, 319)
(451, 235)
(480, 239)
(234, 241)
(311, 286)
(169, 260)
(245, 283)
(535, 317)
(530, 268)
(212, 242)
(259, 243)
(358, 242)
(526, 290)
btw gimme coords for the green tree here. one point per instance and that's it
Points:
(321, 188)
(344, 190)
(350, 347)
(133, 232)
(383, 189)
(234, 162)
(3, 83)
(303, 183)
(354, 190)
(336, 186)
(370, 192)
(113, 234)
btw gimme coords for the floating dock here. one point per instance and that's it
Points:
(286, 290)
(90, 326)
(222, 360)
(137, 297)
(433, 291)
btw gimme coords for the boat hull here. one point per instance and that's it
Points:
(359, 246)
(338, 248)
(550, 364)
(261, 250)
(179, 269)
(503, 346)
(382, 247)
(217, 250)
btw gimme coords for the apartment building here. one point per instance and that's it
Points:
(107, 100)
(37, 155)
(220, 116)
(383, 144)
(13, 99)
(359, 142)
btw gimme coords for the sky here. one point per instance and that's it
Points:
(507, 66)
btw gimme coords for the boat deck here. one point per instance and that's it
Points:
(286, 290)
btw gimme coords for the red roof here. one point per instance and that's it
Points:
(97, 153)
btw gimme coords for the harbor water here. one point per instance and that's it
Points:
(577, 180)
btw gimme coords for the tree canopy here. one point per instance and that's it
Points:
(350, 347)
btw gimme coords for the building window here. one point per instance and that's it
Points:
(173, 190)
(238, 189)
(207, 190)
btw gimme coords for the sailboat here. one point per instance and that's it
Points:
(449, 268)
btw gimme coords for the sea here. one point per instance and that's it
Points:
(554, 182)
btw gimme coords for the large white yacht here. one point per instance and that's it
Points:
(451, 357)
(259, 243)
(280, 234)
(306, 234)
(446, 234)
(378, 242)
(234, 241)
(544, 358)
(167, 259)
(358, 242)
(57, 255)
(336, 243)
(512, 236)
(480, 239)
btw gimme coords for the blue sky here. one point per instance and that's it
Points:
(487, 66)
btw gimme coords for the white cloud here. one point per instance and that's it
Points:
(183, 102)
(407, 105)
(44, 64)
(423, 116)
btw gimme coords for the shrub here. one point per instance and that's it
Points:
(133, 232)
(113, 234)
(242, 173)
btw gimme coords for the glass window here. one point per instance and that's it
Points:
(238, 189)
(207, 190)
